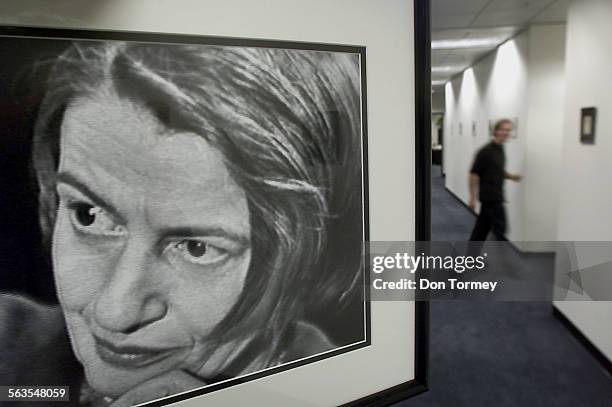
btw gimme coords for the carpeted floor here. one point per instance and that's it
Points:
(503, 353)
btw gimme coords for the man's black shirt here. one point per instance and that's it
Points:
(489, 165)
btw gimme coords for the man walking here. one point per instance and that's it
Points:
(487, 176)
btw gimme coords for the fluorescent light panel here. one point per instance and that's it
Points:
(467, 43)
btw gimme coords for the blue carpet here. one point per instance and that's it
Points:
(503, 353)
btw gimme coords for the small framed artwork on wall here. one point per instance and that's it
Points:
(587, 125)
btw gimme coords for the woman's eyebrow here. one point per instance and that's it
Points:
(71, 180)
(196, 231)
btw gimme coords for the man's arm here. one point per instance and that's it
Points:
(512, 177)
(473, 181)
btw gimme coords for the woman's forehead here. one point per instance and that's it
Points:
(109, 128)
(121, 147)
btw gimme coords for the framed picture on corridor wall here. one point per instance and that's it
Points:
(588, 121)
(184, 212)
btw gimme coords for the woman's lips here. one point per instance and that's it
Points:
(130, 357)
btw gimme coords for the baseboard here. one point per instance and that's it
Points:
(524, 253)
(536, 247)
(460, 201)
(605, 363)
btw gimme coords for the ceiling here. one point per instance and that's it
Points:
(463, 31)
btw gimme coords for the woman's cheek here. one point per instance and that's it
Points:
(206, 300)
(80, 269)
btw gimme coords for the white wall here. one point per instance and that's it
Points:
(545, 98)
(435, 118)
(523, 79)
(496, 87)
(437, 100)
(586, 188)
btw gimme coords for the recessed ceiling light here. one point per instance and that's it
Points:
(466, 43)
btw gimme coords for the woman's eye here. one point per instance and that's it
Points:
(199, 252)
(195, 248)
(93, 219)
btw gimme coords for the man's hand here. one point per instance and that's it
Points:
(472, 203)
(512, 177)
(473, 181)
(176, 381)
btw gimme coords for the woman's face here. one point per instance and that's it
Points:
(151, 244)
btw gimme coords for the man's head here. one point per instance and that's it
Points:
(502, 131)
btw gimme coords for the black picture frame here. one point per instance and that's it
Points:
(588, 125)
(422, 41)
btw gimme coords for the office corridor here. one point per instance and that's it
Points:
(502, 353)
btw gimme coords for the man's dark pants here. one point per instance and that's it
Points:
(492, 217)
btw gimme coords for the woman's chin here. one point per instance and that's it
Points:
(112, 381)
(113, 384)
(113, 374)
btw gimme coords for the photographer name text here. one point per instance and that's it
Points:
(425, 284)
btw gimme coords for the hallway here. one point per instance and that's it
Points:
(502, 353)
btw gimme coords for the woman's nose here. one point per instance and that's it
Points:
(130, 298)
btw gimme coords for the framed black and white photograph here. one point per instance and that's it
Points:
(191, 198)
(185, 212)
